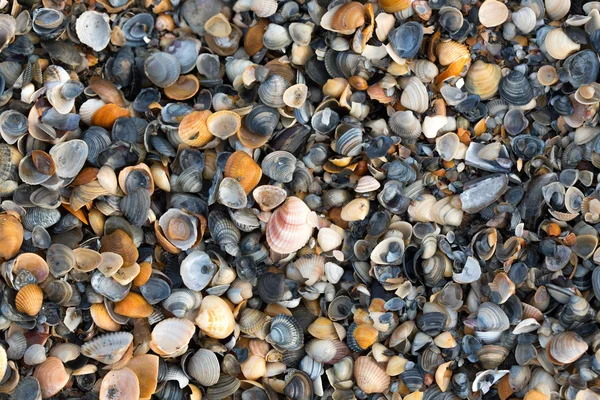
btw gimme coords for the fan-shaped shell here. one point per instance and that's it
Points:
(204, 367)
(162, 69)
(244, 169)
(288, 229)
(52, 376)
(193, 129)
(414, 97)
(122, 384)
(370, 375)
(120, 243)
(171, 335)
(108, 348)
(29, 299)
(483, 79)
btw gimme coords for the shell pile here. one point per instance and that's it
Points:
(299, 199)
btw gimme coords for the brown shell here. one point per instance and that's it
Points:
(133, 306)
(242, 167)
(43, 162)
(253, 42)
(119, 242)
(106, 115)
(11, 235)
(107, 91)
(349, 17)
(370, 375)
(102, 318)
(144, 274)
(29, 300)
(193, 129)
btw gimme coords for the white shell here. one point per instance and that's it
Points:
(524, 19)
(93, 29)
(415, 97)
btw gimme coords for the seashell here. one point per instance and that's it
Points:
(35, 355)
(171, 335)
(52, 376)
(185, 87)
(13, 125)
(225, 386)
(295, 95)
(414, 97)
(425, 70)
(106, 115)
(193, 129)
(181, 301)
(311, 268)
(557, 9)
(133, 306)
(483, 79)
(269, 197)
(197, 270)
(225, 233)
(406, 39)
(450, 19)
(559, 45)
(252, 322)
(370, 376)
(225, 46)
(565, 347)
(326, 351)
(280, 166)
(524, 19)
(123, 383)
(103, 319)
(492, 13)
(179, 228)
(451, 51)
(217, 26)
(107, 348)
(224, 124)
(29, 300)
(348, 18)
(120, 243)
(162, 69)
(285, 333)
(204, 367)
(405, 125)
(60, 259)
(93, 29)
(215, 318)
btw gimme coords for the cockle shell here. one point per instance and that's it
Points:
(215, 318)
(288, 229)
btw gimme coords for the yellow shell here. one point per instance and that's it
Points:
(215, 318)
(29, 299)
(133, 306)
(483, 79)
(193, 129)
(449, 51)
(349, 17)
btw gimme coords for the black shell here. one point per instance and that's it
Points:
(516, 89)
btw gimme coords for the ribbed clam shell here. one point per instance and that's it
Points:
(52, 376)
(215, 317)
(225, 233)
(370, 375)
(252, 322)
(162, 69)
(406, 125)
(414, 97)
(565, 348)
(350, 142)
(107, 348)
(34, 355)
(279, 165)
(311, 268)
(37, 216)
(262, 120)
(272, 89)
(181, 301)
(326, 351)
(286, 333)
(204, 367)
(225, 387)
(516, 89)
(271, 287)
(172, 334)
(425, 70)
(276, 37)
(17, 344)
(288, 230)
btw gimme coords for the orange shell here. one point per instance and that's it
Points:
(43, 162)
(242, 167)
(365, 335)
(193, 129)
(119, 242)
(52, 376)
(11, 235)
(133, 306)
(349, 17)
(102, 319)
(122, 384)
(253, 42)
(29, 299)
(185, 87)
(145, 366)
(144, 274)
(392, 6)
(86, 175)
(106, 115)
